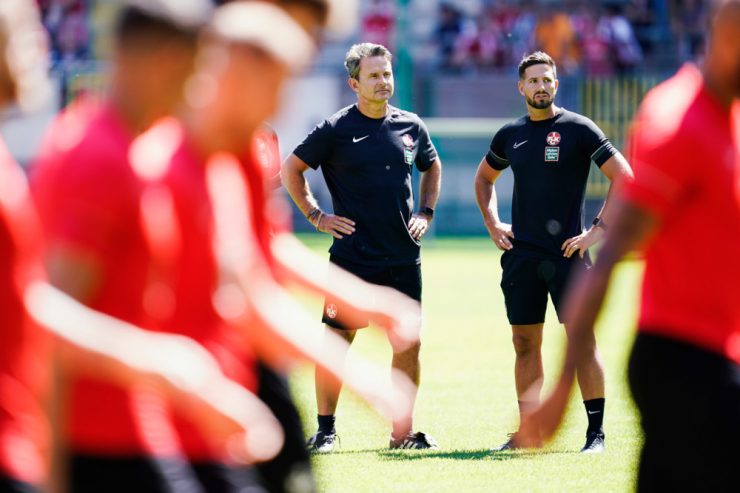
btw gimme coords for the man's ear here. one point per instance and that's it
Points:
(520, 87)
(354, 84)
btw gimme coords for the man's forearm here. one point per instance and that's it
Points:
(429, 186)
(485, 195)
(297, 186)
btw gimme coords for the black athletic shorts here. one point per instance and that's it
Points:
(8, 485)
(404, 278)
(96, 474)
(689, 403)
(220, 478)
(290, 470)
(526, 282)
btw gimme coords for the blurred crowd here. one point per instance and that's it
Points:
(600, 38)
(67, 22)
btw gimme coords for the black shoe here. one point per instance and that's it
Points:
(509, 445)
(594, 443)
(418, 440)
(322, 442)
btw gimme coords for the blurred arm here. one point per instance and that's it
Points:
(385, 306)
(632, 226)
(94, 343)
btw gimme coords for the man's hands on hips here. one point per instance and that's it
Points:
(419, 225)
(501, 233)
(581, 243)
(337, 226)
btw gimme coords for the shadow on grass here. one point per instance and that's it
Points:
(482, 454)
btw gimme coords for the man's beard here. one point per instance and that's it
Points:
(541, 104)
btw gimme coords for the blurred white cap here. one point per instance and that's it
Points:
(185, 14)
(267, 27)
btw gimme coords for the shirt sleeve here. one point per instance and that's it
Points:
(663, 168)
(595, 143)
(315, 149)
(427, 153)
(496, 157)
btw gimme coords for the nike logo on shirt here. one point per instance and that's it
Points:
(593, 412)
(356, 140)
(518, 144)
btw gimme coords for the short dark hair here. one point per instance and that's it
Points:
(154, 20)
(536, 58)
(363, 50)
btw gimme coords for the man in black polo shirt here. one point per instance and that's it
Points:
(550, 151)
(367, 152)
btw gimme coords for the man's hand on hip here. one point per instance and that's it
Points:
(335, 225)
(501, 233)
(419, 225)
(581, 243)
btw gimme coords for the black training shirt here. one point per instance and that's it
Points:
(367, 165)
(550, 160)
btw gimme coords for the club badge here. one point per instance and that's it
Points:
(553, 138)
(331, 310)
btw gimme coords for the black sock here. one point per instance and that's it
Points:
(595, 413)
(326, 423)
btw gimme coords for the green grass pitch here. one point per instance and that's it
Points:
(467, 399)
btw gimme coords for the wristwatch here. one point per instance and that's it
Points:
(428, 211)
(598, 223)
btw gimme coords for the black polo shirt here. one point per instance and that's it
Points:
(367, 164)
(550, 160)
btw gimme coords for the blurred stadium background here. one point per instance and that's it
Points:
(455, 65)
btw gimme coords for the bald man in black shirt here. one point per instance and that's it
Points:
(367, 153)
(550, 151)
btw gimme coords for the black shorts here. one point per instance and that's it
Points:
(94, 474)
(689, 402)
(8, 485)
(292, 465)
(526, 281)
(215, 477)
(403, 278)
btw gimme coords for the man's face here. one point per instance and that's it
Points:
(375, 82)
(539, 86)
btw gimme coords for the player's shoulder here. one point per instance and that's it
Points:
(397, 114)
(511, 127)
(672, 109)
(573, 118)
(341, 117)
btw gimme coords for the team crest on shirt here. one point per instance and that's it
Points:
(331, 311)
(553, 138)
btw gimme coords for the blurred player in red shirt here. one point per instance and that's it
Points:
(88, 200)
(683, 211)
(178, 158)
(87, 341)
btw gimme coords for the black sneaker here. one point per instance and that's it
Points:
(510, 444)
(322, 442)
(418, 440)
(594, 443)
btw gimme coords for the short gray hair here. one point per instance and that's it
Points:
(363, 50)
